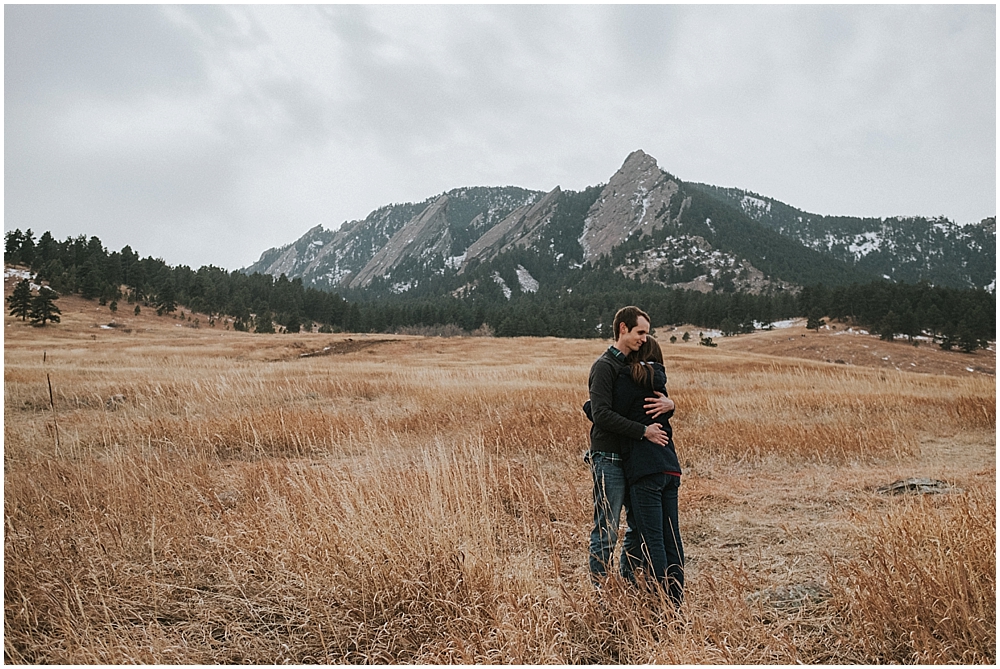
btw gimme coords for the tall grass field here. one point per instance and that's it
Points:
(204, 496)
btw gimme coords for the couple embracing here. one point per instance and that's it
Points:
(632, 459)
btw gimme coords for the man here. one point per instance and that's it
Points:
(607, 434)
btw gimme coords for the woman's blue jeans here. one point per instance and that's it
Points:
(654, 508)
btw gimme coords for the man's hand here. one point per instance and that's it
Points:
(656, 434)
(661, 405)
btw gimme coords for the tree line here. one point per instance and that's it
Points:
(254, 302)
(963, 318)
(584, 308)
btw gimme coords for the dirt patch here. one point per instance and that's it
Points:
(349, 345)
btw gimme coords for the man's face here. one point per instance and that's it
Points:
(629, 341)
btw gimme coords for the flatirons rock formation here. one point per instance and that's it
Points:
(644, 224)
(425, 235)
(636, 200)
(519, 228)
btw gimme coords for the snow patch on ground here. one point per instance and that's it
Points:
(18, 273)
(778, 325)
(454, 262)
(10, 272)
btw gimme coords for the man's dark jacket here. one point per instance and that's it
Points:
(610, 430)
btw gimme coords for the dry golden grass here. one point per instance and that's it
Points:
(411, 499)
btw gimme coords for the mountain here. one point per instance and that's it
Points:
(906, 249)
(359, 251)
(644, 225)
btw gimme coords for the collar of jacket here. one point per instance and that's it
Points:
(616, 354)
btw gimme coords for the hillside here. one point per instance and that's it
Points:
(909, 249)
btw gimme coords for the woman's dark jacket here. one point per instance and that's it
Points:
(641, 457)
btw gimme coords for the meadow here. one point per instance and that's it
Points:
(196, 495)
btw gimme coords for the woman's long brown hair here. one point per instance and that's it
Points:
(648, 352)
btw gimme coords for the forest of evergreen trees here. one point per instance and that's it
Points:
(956, 318)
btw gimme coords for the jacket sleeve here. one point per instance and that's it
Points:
(602, 382)
(661, 386)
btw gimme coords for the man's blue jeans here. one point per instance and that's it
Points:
(610, 495)
(654, 508)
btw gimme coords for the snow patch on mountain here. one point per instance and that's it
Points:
(528, 283)
(755, 207)
(865, 243)
(503, 284)
(336, 275)
(402, 287)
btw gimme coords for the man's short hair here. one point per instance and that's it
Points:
(630, 317)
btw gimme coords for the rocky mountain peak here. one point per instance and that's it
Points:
(639, 161)
(636, 200)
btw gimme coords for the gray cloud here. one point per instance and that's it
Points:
(207, 134)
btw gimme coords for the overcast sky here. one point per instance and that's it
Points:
(208, 134)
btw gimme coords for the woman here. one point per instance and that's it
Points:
(653, 471)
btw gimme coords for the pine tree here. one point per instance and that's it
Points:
(12, 245)
(815, 320)
(166, 299)
(889, 326)
(43, 307)
(967, 340)
(264, 324)
(948, 336)
(20, 300)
